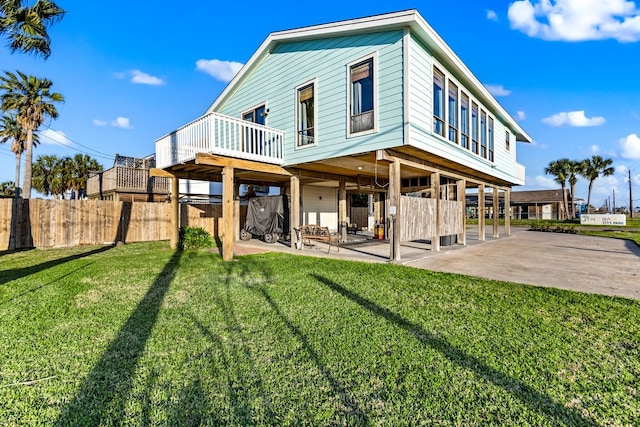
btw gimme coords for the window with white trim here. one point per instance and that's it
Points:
(490, 137)
(453, 112)
(438, 102)
(362, 111)
(464, 120)
(474, 128)
(507, 141)
(483, 134)
(306, 115)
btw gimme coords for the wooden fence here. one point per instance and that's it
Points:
(59, 223)
(419, 218)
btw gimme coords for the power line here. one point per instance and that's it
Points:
(97, 153)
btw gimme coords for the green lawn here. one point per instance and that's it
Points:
(141, 335)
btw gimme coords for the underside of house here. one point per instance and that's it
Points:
(413, 156)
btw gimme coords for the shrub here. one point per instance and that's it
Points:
(194, 238)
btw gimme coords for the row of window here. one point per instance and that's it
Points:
(463, 121)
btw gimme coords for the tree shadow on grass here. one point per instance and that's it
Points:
(353, 413)
(532, 398)
(7, 276)
(102, 397)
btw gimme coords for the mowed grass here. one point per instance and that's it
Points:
(141, 335)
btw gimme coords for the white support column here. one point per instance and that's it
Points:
(294, 212)
(342, 211)
(395, 220)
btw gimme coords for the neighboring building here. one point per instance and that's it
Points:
(377, 105)
(533, 204)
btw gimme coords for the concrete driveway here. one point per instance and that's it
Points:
(567, 261)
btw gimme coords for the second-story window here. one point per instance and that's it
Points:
(362, 102)
(438, 102)
(453, 112)
(464, 120)
(483, 134)
(474, 127)
(507, 141)
(306, 119)
(490, 136)
(253, 138)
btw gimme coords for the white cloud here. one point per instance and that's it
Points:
(576, 20)
(50, 136)
(595, 149)
(497, 90)
(139, 77)
(521, 115)
(119, 122)
(122, 123)
(492, 15)
(630, 147)
(573, 119)
(221, 70)
(546, 182)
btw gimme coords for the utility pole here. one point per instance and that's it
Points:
(630, 197)
(614, 201)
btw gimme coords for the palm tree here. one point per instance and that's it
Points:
(594, 168)
(558, 168)
(32, 101)
(7, 189)
(48, 175)
(10, 130)
(26, 27)
(573, 168)
(82, 164)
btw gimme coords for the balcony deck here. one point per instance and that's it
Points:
(222, 135)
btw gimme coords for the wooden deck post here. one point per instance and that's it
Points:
(435, 193)
(507, 212)
(175, 212)
(496, 212)
(342, 211)
(394, 200)
(227, 213)
(294, 211)
(462, 187)
(236, 212)
(481, 223)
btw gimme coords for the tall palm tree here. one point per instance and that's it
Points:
(32, 100)
(26, 27)
(10, 130)
(594, 168)
(574, 168)
(558, 168)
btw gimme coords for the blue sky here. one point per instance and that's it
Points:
(132, 71)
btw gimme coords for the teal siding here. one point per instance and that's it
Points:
(421, 120)
(291, 64)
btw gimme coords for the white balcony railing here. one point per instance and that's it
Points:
(223, 135)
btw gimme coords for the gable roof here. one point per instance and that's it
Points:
(407, 19)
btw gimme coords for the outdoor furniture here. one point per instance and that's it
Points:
(352, 228)
(309, 233)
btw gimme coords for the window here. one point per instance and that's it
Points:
(474, 127)
(453, 112)
(306, 118)
(483, 134)
(253, 138)
(507, 141)
(362, 102)
(464, 120)
(490, 136)
(438, 102)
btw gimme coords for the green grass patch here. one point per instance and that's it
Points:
(141, 335)
(633, 236)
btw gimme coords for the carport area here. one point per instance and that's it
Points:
(565, 261)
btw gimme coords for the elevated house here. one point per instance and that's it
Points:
(377, 105)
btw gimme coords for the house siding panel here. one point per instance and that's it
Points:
(291, 64)
(421, 120)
